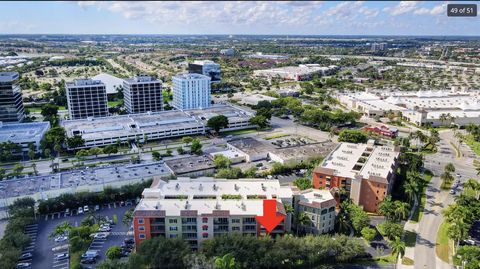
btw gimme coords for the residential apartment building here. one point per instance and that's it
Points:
(11, 104)
(203, 208)
(86, 98)
(142, 94)
(191, 91)
(319, 207)
(207, 68)
(382, 130)
(365, 171)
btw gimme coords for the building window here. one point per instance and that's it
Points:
(205, 235)
(174, 228)
(173, 235)
(204, 220)
(141, 236)
(172, 221)
(141, 228)
(235, 220)
(204, 227)
(141, 221)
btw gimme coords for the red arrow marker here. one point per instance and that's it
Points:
(270, 219)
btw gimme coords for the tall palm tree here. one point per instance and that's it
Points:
(226, 262)
(401, 210)
(411, 189)
(458, 231)
(62, 228)
(398, 248)
(302, 220)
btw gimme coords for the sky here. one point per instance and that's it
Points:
(235, 17)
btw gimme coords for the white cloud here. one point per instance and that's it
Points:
(436, 10)
(402, 8)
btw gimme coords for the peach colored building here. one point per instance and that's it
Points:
(365, 171)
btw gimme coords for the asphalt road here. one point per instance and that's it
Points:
(437, 200)
(43, 256)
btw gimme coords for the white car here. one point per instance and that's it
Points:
(60, 238)
(80, 210)
(452, 192)
(85, 209)
(100, 235)
(105, 229)
(61, 256)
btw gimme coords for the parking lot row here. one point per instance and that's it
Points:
(85, 209)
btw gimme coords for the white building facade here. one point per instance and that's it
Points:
(191, 91)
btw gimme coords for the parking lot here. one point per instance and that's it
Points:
(45, 250)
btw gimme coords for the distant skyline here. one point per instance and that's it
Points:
(256, 18)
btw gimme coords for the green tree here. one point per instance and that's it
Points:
(469, 257)
(3, 172)
(368, 233)
(392, 229)
(180, 150)
(17, 169)
(49, 111)
(303, 183)
(217, 122)
(387, 208)
(401, 210)
(156, 156)
(95, 151)
(196, 147)
(187, 140)
(260, 121)
(110, 149)
(127, 218)
(160, 252)
(114, 252)
(229, 173)
(398, 248)
(227, 261)
(221, 161)
(75, 141)
(61, 229)
(352, 136)
(450, 168)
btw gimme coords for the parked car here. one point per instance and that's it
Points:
(97, 207)
(22, 265)
(128, 203)
(122, 203)
(90, 254)
(452, 192)
(67, 211)
(88, 260)
(61, 256)
(469, 242)
(85, 208)
(60, 238)
(105, 229)
(59, 248)
(80, 210)
(100, 235)
(25, 256)
(126, 246)
(129, 241)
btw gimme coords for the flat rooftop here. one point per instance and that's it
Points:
(73, 179)
(348, 160)
(23, 132)
(205, 195)
(141, 79)
(84, 83)
(8, 76)
(189, 76)
(304, 151)
(144, 123)
(189, 164)
(315, 198)
(250, 145)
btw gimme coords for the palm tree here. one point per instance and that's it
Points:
(458, 231)
(398, 248)
(473, 185)
(302, 220)
(342, 223)
(226, 262)
(443, 118)
(34, 167)
(61, 229)
(401, 210)
(411, 189)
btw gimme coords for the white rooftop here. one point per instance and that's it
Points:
(349, 160)
(109, 81)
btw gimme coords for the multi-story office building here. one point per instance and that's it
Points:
(207, 68)
(142, 94)
(203, 208)
(11, 104)
(104, 131)
(86, 98)
(24, 134)
(191, 91)
(365, 171)
(319, 207)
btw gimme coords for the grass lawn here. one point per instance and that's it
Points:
(387, 259)
(443, 246)
(407, 261)
(276, 136)
(474, 145)
(240, 132)
(417, 216)
(114, 103)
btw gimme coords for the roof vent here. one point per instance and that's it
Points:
(177, 186)
(217, 206)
